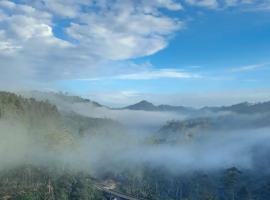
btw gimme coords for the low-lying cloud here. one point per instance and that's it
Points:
(118, 151)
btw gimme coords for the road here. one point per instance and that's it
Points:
(116, 194)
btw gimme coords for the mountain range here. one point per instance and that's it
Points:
(58, 98)
(241, 108)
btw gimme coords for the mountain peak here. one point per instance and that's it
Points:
(142, 105)
(144, 102)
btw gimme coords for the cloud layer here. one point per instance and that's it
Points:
(57, 39)
(62, 39)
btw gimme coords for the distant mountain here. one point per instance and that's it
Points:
(148, 106)
(64, 100)
(142, 105)
(243, 108)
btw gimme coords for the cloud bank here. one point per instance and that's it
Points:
(117, 152)
(63, 39)
(57, 39)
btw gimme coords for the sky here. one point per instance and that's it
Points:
(118, 52)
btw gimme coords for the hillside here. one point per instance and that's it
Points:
(177, 130)
(34, 137)
(32, 183)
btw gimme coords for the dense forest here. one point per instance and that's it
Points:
(229, 184)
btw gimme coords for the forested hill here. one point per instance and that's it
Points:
(14, 106)
(177, 130)
(34, 135)
(63, 101)
(42, 114)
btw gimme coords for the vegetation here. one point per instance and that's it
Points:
(30, 183)
(229, 184)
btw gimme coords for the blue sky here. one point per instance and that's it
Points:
(191, 52)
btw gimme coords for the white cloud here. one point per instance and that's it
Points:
(149, 75)
(248, 68)
(231, 3)
(73, 8)
(34, 41)
(169, 4)
(203, 3)
(265, 6)
(124, 30)
(164, 73)
(216, 4)
(64, 8)
(97, 31)
(7, 4)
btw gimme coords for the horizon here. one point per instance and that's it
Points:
(29, 93)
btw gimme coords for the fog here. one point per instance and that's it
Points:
(135, 119)
(211, 152)
(120, 151)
